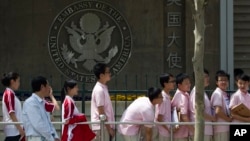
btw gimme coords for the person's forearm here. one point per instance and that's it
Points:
(57, 107)
(14, 119)
(223, 116)
(185, 118)
(240, 118)
(209, 117)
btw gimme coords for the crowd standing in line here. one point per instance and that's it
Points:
(157, 106)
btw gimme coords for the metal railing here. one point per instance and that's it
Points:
(103, 121)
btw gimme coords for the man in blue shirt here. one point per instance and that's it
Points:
(36, 120)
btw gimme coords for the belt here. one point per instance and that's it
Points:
(35, 138)
(38, 138)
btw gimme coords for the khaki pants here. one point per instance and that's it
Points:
(223, 136)
(206, 138)
(180, 139)
(131, 138)
(163, 138)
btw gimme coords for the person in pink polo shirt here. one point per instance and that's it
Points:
(220, 103)
(163, 110)
(181, 102)
(140, 110)
(241, 96)
(208, 131)
(101, 103)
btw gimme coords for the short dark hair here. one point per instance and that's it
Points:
(244, 77)
(7, 77)
(153, 93)
(180, 77)
(99, 68)
(37, 82)
(221, 73)
(164, 78)
(237, 73)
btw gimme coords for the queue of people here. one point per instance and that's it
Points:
(157, 106)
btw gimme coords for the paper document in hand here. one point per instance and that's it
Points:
(174, 116)
(242, 110)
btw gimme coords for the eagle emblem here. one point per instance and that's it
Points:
(88, 42)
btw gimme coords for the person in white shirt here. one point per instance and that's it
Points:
(11, 107)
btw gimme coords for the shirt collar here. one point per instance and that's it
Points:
(100, 84)
(70, 98)
(165, 95)
(242, 93)
(37, 97)
(184, 93)
(220, 90)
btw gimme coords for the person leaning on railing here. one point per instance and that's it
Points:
(140, 110)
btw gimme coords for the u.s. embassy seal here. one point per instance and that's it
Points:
(85, 33)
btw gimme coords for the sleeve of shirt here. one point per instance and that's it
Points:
(162, 108)
(192, 103)
(174, 100)
(233, 101)
(37, 122)
(68, 109)
(9, 101)
(148, 116)
(99, 97)
(216, 100)
(49, 107)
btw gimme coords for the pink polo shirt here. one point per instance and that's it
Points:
(164, 109)
(208, 128)
(181, 101)
(141, 110)
(100, 97)
(240, 97)
(217, 99)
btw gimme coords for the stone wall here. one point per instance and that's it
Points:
(24, 29)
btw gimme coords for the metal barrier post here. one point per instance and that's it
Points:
(102, 125)
(171, 132)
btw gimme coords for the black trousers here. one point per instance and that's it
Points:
(12, 138)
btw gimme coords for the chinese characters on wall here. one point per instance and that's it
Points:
(174, 31)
